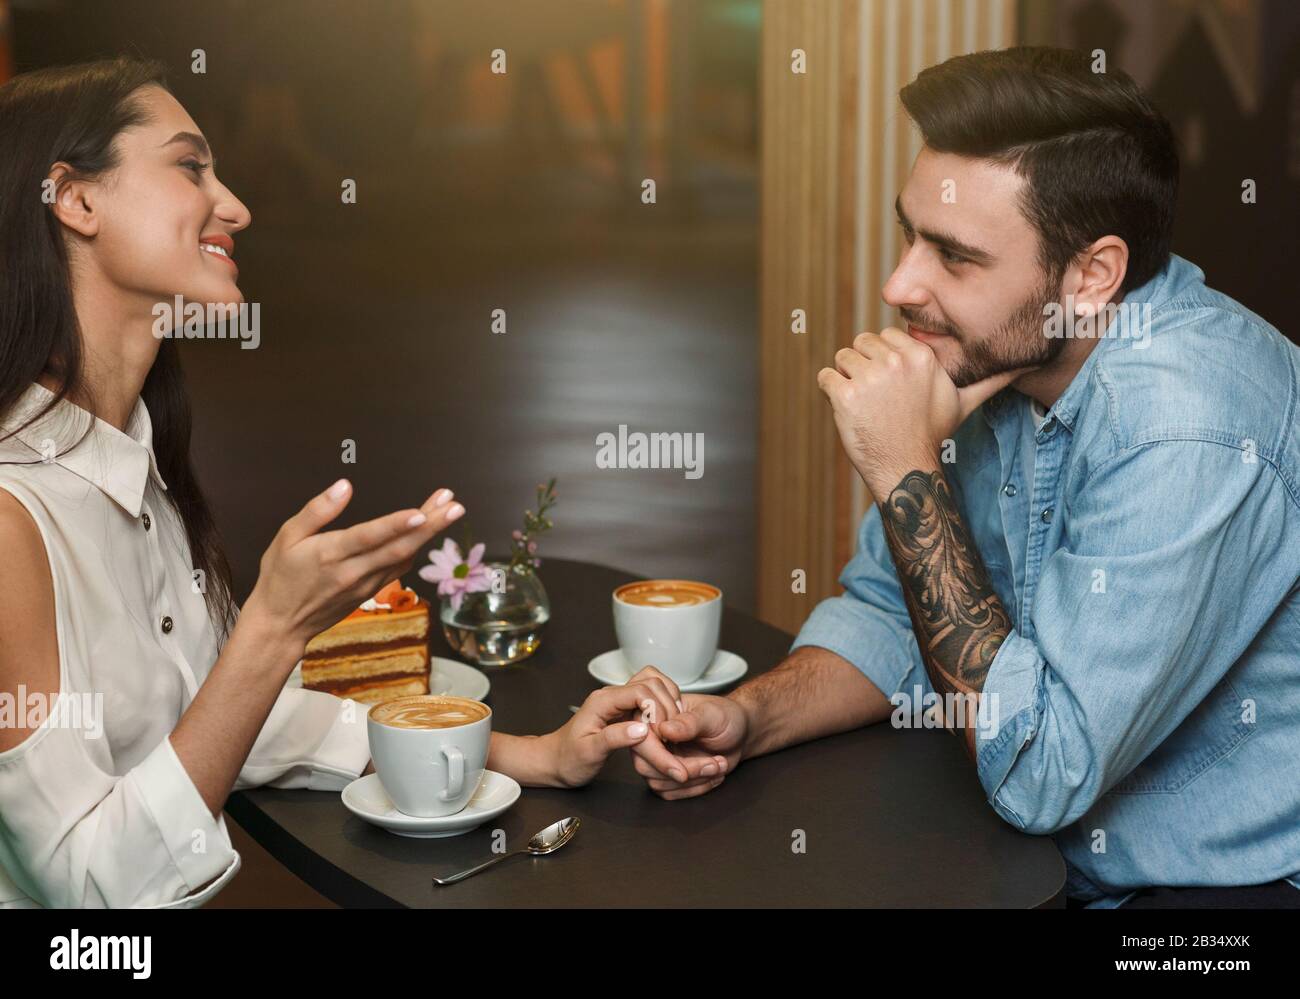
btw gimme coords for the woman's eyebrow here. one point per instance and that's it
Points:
(944, 239)
(199, 143)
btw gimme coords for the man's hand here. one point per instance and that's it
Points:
(612, 718)
(705, 739)
(894, 405)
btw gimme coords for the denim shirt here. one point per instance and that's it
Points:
(1144, 538)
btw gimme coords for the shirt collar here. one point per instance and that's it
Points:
(119, 464)
(1176, 273)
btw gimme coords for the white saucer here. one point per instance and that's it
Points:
(366, 798)
(446, 677)
(612, 669)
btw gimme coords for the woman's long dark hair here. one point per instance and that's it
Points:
(74, 114)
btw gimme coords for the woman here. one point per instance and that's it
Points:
(117, 626)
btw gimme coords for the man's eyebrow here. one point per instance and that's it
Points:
(195, 140)
(944, 239)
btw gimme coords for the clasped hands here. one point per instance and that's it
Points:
(682, 744)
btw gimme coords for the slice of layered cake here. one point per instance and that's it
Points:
(378, 652)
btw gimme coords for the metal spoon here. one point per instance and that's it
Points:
(547, 841)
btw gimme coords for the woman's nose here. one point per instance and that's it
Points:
(233, 211)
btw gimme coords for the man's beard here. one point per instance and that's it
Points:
(1019, 342)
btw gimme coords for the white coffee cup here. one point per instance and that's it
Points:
(671, 624)
(428, 758)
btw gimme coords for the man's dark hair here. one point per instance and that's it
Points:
(1097, 157)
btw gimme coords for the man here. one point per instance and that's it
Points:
(1097, 535)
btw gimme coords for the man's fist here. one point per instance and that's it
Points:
(894, 405)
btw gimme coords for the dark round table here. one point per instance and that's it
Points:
(873, 817)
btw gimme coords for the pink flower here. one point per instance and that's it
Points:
(456, 577)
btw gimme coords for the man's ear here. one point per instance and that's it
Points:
(1101, 270)
(74, 200)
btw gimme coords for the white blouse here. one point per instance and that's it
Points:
(95, 806)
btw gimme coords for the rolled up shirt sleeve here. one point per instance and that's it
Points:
(869, 624)
(1165, 572)
(72, 836)
(311, 739)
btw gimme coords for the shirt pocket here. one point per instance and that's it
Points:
(1207, 735)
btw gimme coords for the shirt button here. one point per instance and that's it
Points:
(146, 520)
(1047, 516)
(1009, 489)
(167, 625)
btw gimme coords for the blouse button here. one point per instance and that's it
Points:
(167, 625)
(1009, 489)
(146, 520)
(1047, 516)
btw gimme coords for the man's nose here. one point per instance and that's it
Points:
(905, 287)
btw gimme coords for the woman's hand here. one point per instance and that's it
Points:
(706, 738)
(613, 718)
(310, 580)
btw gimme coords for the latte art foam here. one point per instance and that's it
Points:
(428, 712)
(667, 593)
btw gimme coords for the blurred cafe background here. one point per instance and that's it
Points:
(522, 191)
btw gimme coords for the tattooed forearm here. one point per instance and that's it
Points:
(958, 619)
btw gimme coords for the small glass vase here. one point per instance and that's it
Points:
(497, 628)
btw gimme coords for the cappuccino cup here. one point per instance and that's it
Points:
(429, 751)
(671, 624)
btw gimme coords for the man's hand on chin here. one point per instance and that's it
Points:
(894, 405)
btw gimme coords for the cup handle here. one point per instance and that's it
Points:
(455, 773)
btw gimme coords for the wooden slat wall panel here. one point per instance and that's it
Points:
(836, 148)
(807, 241)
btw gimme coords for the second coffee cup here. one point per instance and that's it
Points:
(671, 624)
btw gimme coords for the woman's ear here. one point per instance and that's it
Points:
(74, 200)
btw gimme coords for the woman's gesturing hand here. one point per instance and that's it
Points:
(310, 579)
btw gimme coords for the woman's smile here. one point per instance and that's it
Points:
(220, 246)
